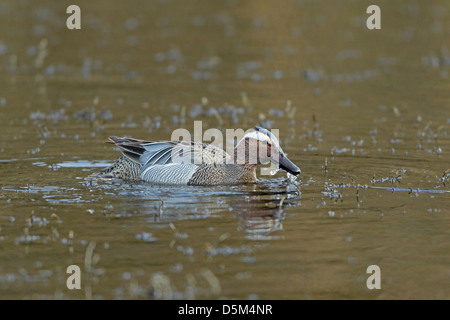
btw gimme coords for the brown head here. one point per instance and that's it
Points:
(260, 146)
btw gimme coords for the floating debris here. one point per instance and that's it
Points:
(226, 250)
(87, 114)
(395, 179)
(55, 116)
(411, 190)
(331, 191)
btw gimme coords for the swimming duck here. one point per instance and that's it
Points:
(195, 163)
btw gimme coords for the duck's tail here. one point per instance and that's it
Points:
(122, 168)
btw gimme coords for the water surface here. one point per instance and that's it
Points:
(364, 114)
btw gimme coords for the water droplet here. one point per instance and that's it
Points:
(273, 171)
(291, 177)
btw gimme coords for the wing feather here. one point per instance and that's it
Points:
(149, 153)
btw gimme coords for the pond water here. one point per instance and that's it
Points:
(364, 113)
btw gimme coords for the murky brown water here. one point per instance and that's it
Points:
(365, 114)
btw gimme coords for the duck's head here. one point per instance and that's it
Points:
(262, 147)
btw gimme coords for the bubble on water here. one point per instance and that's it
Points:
(146, 236)
(26, 239)
(126, 276)
(160, 56)
(352, 260)
(178, 267)
(131, 23)
(257, 77)
(181, 235)
(248, 259)
(277, 75)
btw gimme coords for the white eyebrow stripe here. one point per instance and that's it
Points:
(257, 136)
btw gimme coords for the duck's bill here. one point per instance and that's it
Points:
(288, 166)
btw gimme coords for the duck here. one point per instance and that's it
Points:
(196, 163)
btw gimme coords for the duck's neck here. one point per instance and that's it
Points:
(243, 157)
